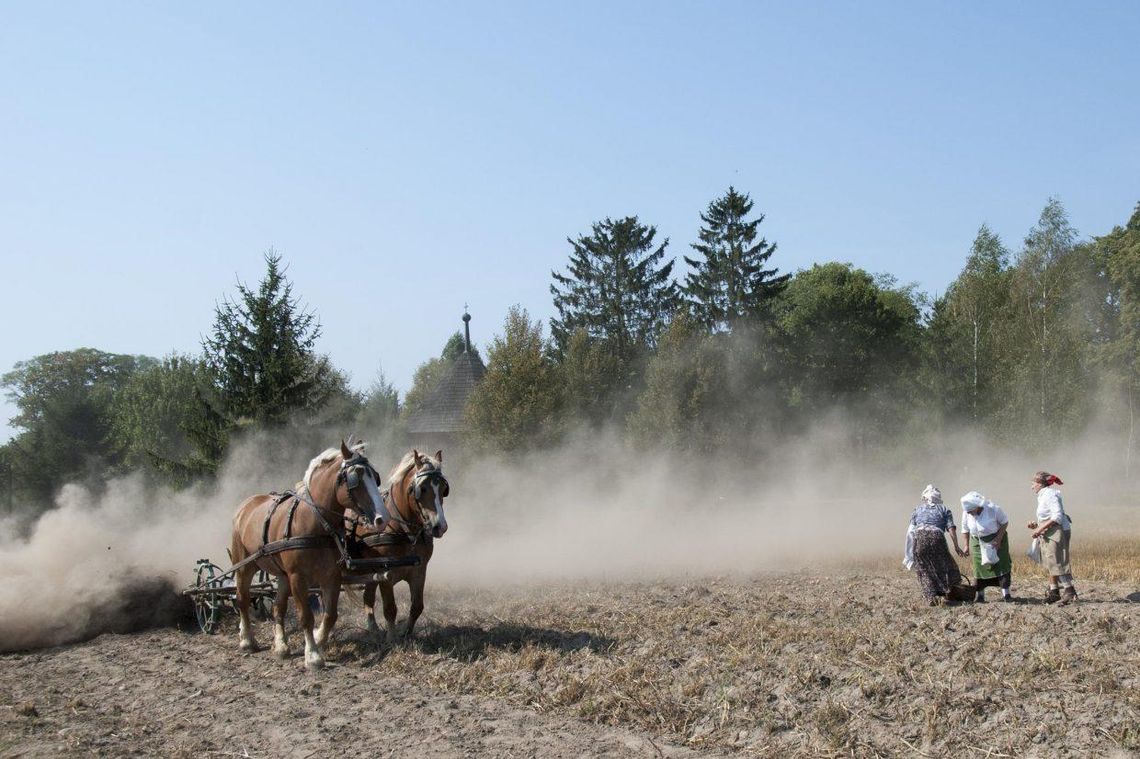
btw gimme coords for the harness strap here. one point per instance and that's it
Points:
(280, 546)
(289, 522)
(278, 499)
(303, 541)
(390, 539)
(337, 535)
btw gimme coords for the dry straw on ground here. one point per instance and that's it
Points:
(842, 661)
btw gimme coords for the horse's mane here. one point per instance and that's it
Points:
(406, 464)
(323, 458)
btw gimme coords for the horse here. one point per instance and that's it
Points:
(306, 543)
(416, 489)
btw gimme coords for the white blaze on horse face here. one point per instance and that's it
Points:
(440, 519)
(382, 515)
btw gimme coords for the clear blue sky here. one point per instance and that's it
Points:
(407, 159)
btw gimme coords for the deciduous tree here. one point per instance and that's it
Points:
(514, 405)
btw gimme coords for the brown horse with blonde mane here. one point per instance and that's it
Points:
(300, 538)
(416, 489)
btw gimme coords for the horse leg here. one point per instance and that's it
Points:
(370, 610)
(416, 586)
(280, 604)
(389, 599)
(330, 598)
(242, 579)
(299, 584)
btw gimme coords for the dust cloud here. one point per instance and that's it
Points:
(597, 510)
(112, 562)
(594, 509)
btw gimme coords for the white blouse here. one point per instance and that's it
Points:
(1050, 506)
(987, 522)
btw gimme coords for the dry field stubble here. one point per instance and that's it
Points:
(841, 661)
(824, 663)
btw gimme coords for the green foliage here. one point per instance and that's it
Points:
(1049, 382)
(380, 406)
(595, 382)
(260, 353)
(1028, 351)
(617, 288)
(845, 335)
(514, 405)
(65, 402)
(7, 480)
(1119, 253)
(687, 401)
(154, 414)
(729, 283)
(455, 345)
(334, 403)
(967, 333)
(426, 379)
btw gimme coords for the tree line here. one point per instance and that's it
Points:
(1029, 343)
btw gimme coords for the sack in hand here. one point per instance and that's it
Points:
(1034, 552)
(989, 553)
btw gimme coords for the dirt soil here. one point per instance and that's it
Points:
(800, 665)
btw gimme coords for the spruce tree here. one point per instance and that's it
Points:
(617, 288)
(261, 352)
(729, 282)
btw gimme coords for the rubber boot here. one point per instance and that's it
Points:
(1068, 596)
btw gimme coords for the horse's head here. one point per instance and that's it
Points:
(358, 486)
(425, 488)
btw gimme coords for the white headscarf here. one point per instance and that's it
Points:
(932, 496)
(973, 500)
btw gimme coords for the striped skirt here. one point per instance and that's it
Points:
(935, 568)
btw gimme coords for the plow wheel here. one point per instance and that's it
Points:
(207, 604)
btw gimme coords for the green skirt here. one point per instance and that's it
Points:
(988, 571)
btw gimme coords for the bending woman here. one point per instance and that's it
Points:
(936, 569)
(1054, 530)
(983, 521)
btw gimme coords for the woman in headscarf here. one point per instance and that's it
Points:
(936, 569)
(1054, 530)
(984, 522)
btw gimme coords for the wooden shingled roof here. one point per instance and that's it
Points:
(443, 411)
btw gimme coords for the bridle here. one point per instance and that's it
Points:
(415, 490)
(350, 473)
(431, 476)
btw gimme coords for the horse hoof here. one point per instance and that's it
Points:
(315, 665)
(281, 652)
(247, 646)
